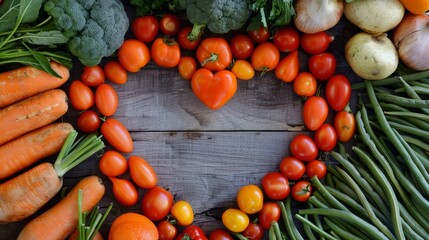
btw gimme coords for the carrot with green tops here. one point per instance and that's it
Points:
(60, 220)
(31, 147)
(24, 82)
(31, 113)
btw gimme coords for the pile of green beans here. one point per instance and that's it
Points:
(380, 189)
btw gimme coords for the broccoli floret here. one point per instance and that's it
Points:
(96, 28)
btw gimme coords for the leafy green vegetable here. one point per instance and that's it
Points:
(147, 7)
(11, 9)
(271, 13)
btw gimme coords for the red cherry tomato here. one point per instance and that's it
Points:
(241, 46)
(322, 66)
(301, 191)
(292, 168)
(141, 172)
(269, 212)
(115, 72)
(133, 55)
(106, 99)
(113, 164)
(288, 67)
(124, 191)
(184, 41)
(305, 84)
(254, 231)
(166, 230)
(145, 28)
(170, 24)
(275, 185)
(192, 232)
(92, 75)
(286, 39)
(259, 35)
(81, 96)
(165, 52)
(338, 92)
(88, 121)
(315, 112)
(303, 148)
(265, 57)
(325, 137)
(345, 125)
(117, 135)
(315, 43)
(220, 234)
(315, 168)
(156, 203)
(187, 67)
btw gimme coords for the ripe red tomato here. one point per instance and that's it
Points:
(286, 39)
(325, 137)
(315, 168)
(292, 168)
(301, 191)
(305, 84)
(254, 231)
(259, 35)
(156, 203)
(115, 72)
(145, 28)
(303, 148)
(112, 164)
(142, 173)
(315, 43)
(166, 230)
(106, 99)
(124, 191)
(92, 75)
(88, 121)
(165, 52)
(184, 41)
(275, 185)
(192, 232)
(117, 135)
(170, 24)
(214, 54)
(265, 57)
(338, 92)
(241, 46)
(220, 234)
(322, 66)
(345, 125)
(187, 67)
(133, 55)
(315, 112)
(288, 67)
(269, 212)
(81, 96)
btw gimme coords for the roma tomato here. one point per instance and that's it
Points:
(156, 203)
(165, 52)
(243, 70)
(288, 67)
(115, 72)
(301, 191)
(338, 92)
(133, 55)
(92, 75)
(315, 43)
(80, 95)
(250, 199)
(187, 67)
(88, 121)
(166, 230)
(142, 173)
(113, 164)
(182, 211)
(145, 28)
(214, 54)
(117, 135)
(124, 191)
(259, 35)
(314, 112)
(106, 99)
(275, 185)
(235, 220)
(265, 57)
(286, 39)
(322, 66)
(325, 137)
(254, 231)
(220, 234)
(269, 212)
(305, 84)
(303, 148)
(292, 168)
(184, 40)
(170, 24)
(345, 125)
(193, 233)
(241, 46)
(315, 168)
(214, 90)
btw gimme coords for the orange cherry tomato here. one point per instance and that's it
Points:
(187, 67)
(115, 72)
(265, 57)
(165, 52)
(92, 75)
(345, 125)
(133, 55)
(288, 67)
(117, 135)
(81, 96)
(315, 112)
(250, 199)
(214, 54)
(235, 220)
(112, 164)
(183, 213)
(141, 172)
(214, 90)
(243, 70)
(106, 99)
(305, 84)
(124, 191)
(88, 121)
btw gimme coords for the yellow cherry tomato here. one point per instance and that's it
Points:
(235, 220)
(243, 70)
(250, 199)
(182, 211)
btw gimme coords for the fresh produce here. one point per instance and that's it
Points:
(112, 163)
(187, 67)
(288, 67)
(241, 46)
(243, 70)
(286, 39)
(145, 28)
(31, 147)
(254, 231)
(325, 137)
(93, 76)
(322, 66)
(303, 148)
(317, 16)
(166, 230)
(81, 96)
(301, 191)
(31, 113)
(106, 99)
(250, 199)
(416, 7)
(157, 203)
(371, 57)
(235, 220)
(315, 43)
(124, 191)
(169, 24)
(192, 232)
(275, 186)
(115, 72)
(338, 92)
(88, 121)
(75, 236)
(183, 213)
(165, 52)
(270, 212)
(292, 168)
(374, 16)
(133, 55)
(142, 173)
(259, 35)
(304, 84)
(315, 112)
(220, 234)
(214, 54)
(265, 57)
(117, 135)
(64, 214)
(24, 82)
(315, 168)
(345, 125)
(132, 226)
(270, 13)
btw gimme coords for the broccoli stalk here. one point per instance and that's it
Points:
(197, 31)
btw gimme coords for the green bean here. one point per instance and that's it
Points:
(399, 120)
(417, 89)
(240, 236)
(329, 198)
(322, 199)
(412, 93)
(316, 202)
(272, 234)
(424, 158)
(421, 84)
(349, 227)
(415, 225)
(416, 142)
(411, 130)
(316, 220)
(347, 190)
(307, 230)
(275, 226)
(329, 179)
(370, 179)
(320, 231)
(421, 116)
(409, 233)
(342, 149)
(366, 227)
(391, 80)
(288, 220)
(341, 232)
(392, 107)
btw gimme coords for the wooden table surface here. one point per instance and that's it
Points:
(202, 156)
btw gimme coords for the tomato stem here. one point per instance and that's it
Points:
(213, 58)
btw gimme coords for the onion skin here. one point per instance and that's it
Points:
(411, 38)
(314, 16)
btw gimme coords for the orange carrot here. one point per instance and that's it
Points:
(31, 113)
(31, 147)
(59, 221)
(24, 82)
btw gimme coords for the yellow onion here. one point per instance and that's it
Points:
(411, 38)
(314, 16)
